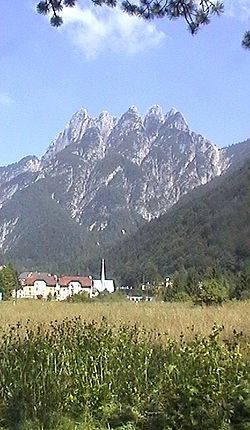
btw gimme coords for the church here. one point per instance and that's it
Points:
(103, 284)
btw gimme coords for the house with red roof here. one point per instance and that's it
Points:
(71, 285)
(44, 285)
(37, 286)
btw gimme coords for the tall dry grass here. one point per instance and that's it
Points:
(172, 318)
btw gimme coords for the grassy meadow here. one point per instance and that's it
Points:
(172, 318)
(124, 366)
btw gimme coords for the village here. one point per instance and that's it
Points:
(46, 286)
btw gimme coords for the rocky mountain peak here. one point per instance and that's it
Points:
(78, 125)
(130, 120)
(105, 116)
(153, 120)
(81, 114)
(155, 111)
(131, 114)
(175, 119)
(72, 133)
(30, 163)
(110, 176)
(105, 124)
(133, 110)
(171, 113)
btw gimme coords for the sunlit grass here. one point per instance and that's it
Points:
(172, 318)
(115, 374)
(68, 366)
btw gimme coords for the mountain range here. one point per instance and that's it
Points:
(208, 228)
(99, 181)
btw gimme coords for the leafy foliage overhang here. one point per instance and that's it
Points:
(194, 12)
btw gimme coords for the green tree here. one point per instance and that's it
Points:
(211, 292)
(192, 283)
(195, 13)
(2, 286)
(242, 288)
(151, 273)
(8, 281)
(177, 291)
(131, 276)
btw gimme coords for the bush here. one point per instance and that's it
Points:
(181, 296)
(49, 297)
(105, 296)
(211, 292)
(81, 297)
(241, 417)
(100, 377)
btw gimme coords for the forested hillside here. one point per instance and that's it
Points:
(209, 227)
(56, 241)
(100, 180)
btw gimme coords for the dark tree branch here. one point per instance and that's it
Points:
(194, 12)
(246, 40)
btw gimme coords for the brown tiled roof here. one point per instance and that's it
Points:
(85, 281)
(49, 279)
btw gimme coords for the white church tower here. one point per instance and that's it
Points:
(104, 284)
(103, 274)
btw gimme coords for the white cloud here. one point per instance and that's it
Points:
(98, 29)
(5, 99)
(237, 8)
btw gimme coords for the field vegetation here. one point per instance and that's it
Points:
(124, 366)
(172, 318)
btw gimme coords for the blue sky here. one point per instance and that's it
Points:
(102, 59)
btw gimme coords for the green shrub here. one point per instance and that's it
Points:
(107, 297)
(211, 292)
(81, 297)
(76, 375)
(241, 416)
(181, 296)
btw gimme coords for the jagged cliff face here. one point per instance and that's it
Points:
(17, 176)
(108, 175)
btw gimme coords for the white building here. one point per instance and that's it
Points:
(43, 286)
(36, 286)
(71, 285)
(103, 284)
